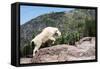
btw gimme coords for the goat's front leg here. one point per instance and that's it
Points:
(53, 39)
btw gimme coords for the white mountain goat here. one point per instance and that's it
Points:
(48, 33)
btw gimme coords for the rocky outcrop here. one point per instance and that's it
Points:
(64, 52)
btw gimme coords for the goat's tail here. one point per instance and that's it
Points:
(32, 44)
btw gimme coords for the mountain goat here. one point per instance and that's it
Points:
(48, 33)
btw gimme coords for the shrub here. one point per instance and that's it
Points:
(27, 50)
(68, 38)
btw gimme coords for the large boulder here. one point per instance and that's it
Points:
(60, 53)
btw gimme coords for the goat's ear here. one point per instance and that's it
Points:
(55, 34)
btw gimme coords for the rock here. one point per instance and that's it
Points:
(88, 46)
(64, 52)
(50, 54)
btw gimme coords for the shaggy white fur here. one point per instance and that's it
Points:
(47, 33)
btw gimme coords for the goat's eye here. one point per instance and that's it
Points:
(56, 34)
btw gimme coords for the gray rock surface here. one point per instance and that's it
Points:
(64, 52)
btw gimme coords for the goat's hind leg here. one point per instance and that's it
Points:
(36, 49)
